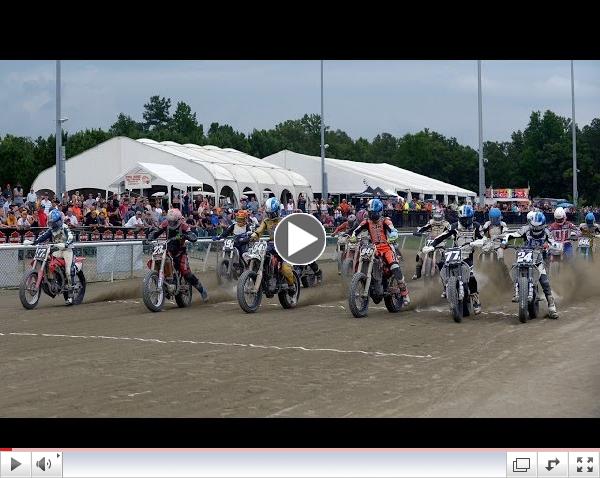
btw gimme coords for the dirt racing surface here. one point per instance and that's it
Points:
(111, 357)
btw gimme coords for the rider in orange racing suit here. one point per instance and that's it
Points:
(381, 230)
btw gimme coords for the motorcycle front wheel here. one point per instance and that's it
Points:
(456, 305)
(29, 294)
(359, 305)
(249, 301)
(154, 296)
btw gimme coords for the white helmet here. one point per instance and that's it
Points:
(272, 207)
(530, 216)
(174, 218)
(560, 215)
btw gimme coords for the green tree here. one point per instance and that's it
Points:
(156, 113)
(126, 126)
(184, 125)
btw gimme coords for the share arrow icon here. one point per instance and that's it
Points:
(550, 467)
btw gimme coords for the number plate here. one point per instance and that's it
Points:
(429, 242)
(453, 255)
(40, 253)
(584, 242)
(524, 257)
(366, 251)
(158, 250)
(228, 245)
(259, 248)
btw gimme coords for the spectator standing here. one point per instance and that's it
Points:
(31, 199)
(313, 208)
(7, 193)
(89, 202)
(301, 203)
(253, 205)
(42, 216)
(345, 208)
(186, 205)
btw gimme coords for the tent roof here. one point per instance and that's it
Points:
(167, 173)
(345, 176)
(97, 167)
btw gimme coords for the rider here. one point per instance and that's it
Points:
(383, 233)
(494, 228)
(268, 224)
(62, 238)
(463, 232)
(537, 236)
(562, 230)
(590, 229)
(350, 224)
(437, 225)
(178, 230)
(240, 228)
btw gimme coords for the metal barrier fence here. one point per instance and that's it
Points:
(114, 260)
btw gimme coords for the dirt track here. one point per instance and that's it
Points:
(111, 357)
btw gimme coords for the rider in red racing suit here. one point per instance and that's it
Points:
(380, 228)
(180, 231)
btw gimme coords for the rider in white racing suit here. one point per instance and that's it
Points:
(536, 235)
(62, 238)
(464, 232)
(494, 229)
(436, 226)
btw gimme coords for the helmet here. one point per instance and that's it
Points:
(351, 218)
(374, 208)
(174, 218)
(272, 207)
(465, 215)
(495, 215)
(560, 215)
(590, 219)
(360, 215)
(241, 217)
(55, 220)
(538, 221)
(530, 216)
(438, 215)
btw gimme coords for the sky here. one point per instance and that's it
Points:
(362, 98)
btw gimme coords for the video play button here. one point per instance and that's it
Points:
(300, 239)
(14, 464)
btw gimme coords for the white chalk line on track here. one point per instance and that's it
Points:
(224, 344)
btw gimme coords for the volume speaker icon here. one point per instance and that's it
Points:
(43, 463)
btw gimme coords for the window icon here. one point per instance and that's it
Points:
(521, 465)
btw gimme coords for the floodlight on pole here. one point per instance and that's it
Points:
(574, 140)
(481, 162)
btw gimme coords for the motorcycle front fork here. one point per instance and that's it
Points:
(529, 292)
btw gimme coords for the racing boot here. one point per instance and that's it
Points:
(418, 271)
(319, 276)
(476, 303)
(404, 294)
(202, 291)
(552, 314)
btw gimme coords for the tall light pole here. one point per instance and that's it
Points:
(481, 167)
(323, 176)
(574, 132)
(59, 175)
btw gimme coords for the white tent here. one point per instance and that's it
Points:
(349, 177)
(162, 174)
(227, 172)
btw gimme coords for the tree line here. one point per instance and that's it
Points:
(539, 156)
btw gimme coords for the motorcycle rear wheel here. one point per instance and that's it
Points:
(393, 302)
(28, 294)
(288, 301)
(184, 296)
(78, 289)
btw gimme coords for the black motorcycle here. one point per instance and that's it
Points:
(231, 263)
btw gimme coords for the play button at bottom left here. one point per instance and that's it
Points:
(15, 464)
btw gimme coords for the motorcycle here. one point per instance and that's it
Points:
(231, 264)
(351, 258)
(263, 276)
(48, 274)
(431, 259)
(375, 279)
(156, 288)
(559, 252)
(455, 276)
(307, 276)
(585, 245)
(340, 250)
(526, 276)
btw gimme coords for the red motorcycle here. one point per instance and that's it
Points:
(48, 274)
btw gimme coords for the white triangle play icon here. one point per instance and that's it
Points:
(298, 239)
